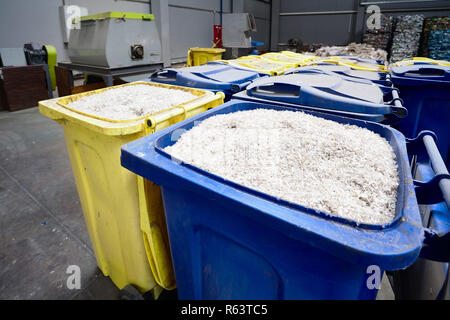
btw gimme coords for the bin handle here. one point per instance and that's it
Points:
(167, 74)
(239, 86)
(398, 109)
(290, 89)
(421, 70)
(436, 244)
(440, 183)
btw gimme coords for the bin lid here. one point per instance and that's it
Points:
(420, 60)
(221, 73)
(356, 65)
(430, 72)
(346, 71)
(208, 76)
(359, 59)
(325, 91)
(355, 115)
(324, 82)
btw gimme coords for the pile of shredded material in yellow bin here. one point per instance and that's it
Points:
(129, 102)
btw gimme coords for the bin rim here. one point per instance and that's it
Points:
(51, 109)
(394, 245)
(346, 73)
(209, 50)
(400, 75)
(355, 66)
(339, 69)
(194, 77)
(419, 60)
(243, 96)
(261, 73)
(291, 59)
(64, 101)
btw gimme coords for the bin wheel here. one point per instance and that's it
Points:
(130, 292)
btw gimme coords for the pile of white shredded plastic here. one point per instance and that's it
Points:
(344, 170)
(129, 102)
(361, 50)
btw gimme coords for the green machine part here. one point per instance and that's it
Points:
(51, 61)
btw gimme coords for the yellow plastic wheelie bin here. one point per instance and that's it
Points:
(123, 212)
(198, 56)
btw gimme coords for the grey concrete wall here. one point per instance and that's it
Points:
(261, 12)
(191, 24)
(347, 22)
(328, 29)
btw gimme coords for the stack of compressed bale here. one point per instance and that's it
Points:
(380, 38)
(438, 28)
(405, 43)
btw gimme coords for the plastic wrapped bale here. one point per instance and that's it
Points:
(439, 45)
(380, 38)
(432, 24)
(405, 43)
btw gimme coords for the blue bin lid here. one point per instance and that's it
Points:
(219, 77)
(328, 91)
(421, 74)
(362, 116)
(348, 73)
(391, 246)
(359, 59)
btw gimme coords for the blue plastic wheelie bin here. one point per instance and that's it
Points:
(425, 90)
(348, 73)
(214, 77)
(328, 93)
(232, 242)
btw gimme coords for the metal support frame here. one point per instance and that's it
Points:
(275, 25)
(48, 80)
(108, 74)
(160, 8)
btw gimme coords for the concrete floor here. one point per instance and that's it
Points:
(42, 229)
(41, 222)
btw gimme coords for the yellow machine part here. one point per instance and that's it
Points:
(123, 212)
